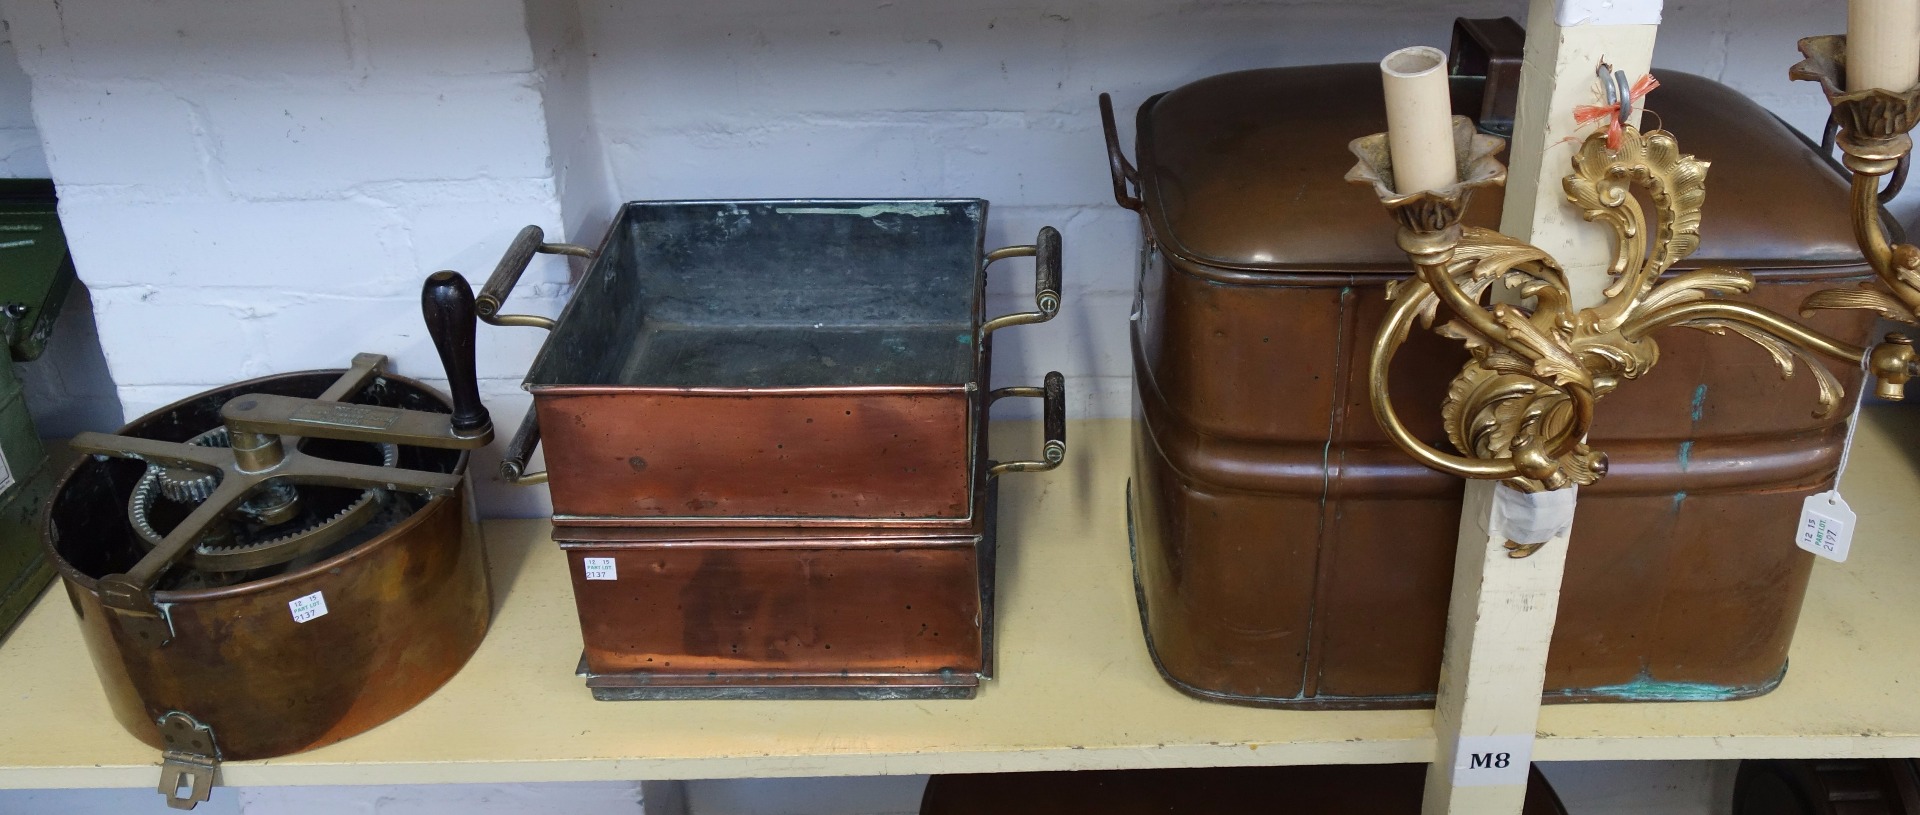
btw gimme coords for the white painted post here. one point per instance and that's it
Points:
(1502, 613)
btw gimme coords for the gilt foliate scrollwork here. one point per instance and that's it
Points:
(1513, 399)
(1602, 187)
(1539, 360)
(1784, 353)
(1897, 302)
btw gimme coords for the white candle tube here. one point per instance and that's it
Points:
(1883, 44)
(1419, 119)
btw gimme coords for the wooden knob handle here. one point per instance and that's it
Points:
(447, 303)
(1046, 270)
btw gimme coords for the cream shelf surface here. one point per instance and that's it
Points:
(1075, 689)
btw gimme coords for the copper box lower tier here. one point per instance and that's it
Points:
(881, 612)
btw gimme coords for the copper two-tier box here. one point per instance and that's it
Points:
(764, 424)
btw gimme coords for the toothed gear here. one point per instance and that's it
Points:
(233, 557)
(184, 486)
(219, 552)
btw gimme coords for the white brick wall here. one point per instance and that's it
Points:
(260, 187)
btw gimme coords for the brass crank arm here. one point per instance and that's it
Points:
(268, 414)
(153, 451)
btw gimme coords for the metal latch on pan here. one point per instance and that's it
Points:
(191, 764)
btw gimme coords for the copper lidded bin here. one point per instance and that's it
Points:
(1288, 555)
(765, 427)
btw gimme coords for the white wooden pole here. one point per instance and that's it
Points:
(1502, 613)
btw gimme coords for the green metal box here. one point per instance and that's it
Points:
(35, 275)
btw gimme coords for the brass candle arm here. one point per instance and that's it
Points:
(1874, 136)
(1521, 409)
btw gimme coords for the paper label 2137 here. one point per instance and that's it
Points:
(309, 607)
(600, 568)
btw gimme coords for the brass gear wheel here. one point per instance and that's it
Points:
(237, 545)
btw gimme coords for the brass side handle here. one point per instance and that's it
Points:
(512, 265)
(1045, 251)
(513, 462)
(1126, 180)
(1054, 424)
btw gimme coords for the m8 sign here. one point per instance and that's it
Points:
(1492, 761)
(1489, 761)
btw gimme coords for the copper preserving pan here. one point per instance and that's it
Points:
(777, 363)
(1288, 554)
(239, 676)
(282, 563)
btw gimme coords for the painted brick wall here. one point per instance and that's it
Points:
(252, 188)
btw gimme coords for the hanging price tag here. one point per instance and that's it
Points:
(1826, 526)
(600, 568)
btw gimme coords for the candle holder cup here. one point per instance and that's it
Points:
(1874, 138)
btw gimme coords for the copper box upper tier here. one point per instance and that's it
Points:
(771, 362)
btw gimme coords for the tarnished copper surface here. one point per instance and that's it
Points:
(404, 610)
(1289, 555)
(882, 611)
(775, 363)
(632, 455)
(770, 418)
(1209, 194)
(721, 605)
